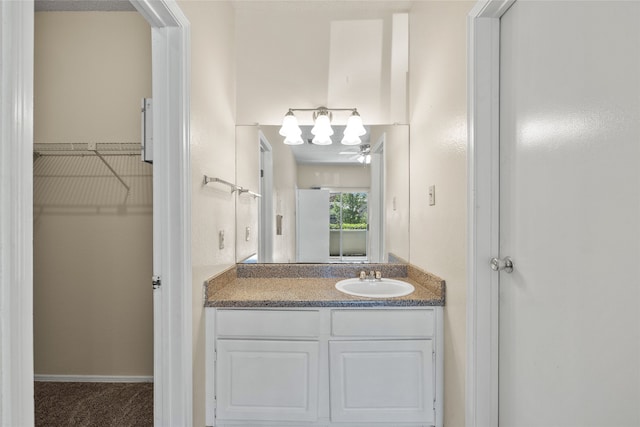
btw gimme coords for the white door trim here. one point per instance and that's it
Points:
(16, 220)
(483, 71)
(377, 221)
(266, 218)
(173, 365)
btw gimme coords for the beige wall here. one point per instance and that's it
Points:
(438, 157)
(285, 172)
(213, 154)
(396, 191)
(247, 176)
(334, 176)
(297, 56)
(92, 240)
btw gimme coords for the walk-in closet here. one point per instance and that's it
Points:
(93, 210)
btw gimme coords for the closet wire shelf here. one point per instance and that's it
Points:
(98, 149)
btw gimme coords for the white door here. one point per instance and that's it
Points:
(570, 214)
(312, 220)
(382, 381)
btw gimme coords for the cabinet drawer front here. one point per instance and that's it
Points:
(268, 323)
(382, 323)
(267, 380)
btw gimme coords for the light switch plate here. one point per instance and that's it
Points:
(432, 195)
(221, 239)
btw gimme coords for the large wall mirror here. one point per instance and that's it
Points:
(322, 203)
(319, 203)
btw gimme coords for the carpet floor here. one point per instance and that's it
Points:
(61, 404)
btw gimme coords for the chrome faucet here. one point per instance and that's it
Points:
(373, 275)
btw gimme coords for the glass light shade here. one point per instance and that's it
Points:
(321, 140)
(322, 126)
(290, 125)
(351, 140)
(354, 125)
(295, 139)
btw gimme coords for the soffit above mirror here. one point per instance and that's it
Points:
(289, 5)
(83, 6)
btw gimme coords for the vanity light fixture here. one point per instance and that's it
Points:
(322, 130)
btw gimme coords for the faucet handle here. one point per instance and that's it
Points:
(363, 275)
(378, 275)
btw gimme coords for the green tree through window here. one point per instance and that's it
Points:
(348, 209)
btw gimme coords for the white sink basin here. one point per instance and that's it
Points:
(382, 288)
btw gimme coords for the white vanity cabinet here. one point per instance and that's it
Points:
(324, 367)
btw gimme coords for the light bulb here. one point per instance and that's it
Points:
(290, 125)
(354, 125)
(295, 139)
(351, 139)
(321, 140)
(322, 126)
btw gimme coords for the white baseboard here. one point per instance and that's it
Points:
(94, 378)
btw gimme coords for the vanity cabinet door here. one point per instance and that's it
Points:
(382, 381)
(267, 380)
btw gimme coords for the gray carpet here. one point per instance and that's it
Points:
(93, 404)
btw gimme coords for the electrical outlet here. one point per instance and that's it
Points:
(432, 195)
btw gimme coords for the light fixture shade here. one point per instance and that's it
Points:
(322, 127)
(290, 125)
(354, 125)
(321, 140)
(351, 139)
(295, 139)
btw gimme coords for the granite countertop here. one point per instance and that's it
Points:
(282, 285)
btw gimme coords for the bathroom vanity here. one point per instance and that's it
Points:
(296, 352)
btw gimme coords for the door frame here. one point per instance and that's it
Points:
(172, 301)
(376, 242)
(483, 203)
(16, 221)
(172, 211)
(265, 215)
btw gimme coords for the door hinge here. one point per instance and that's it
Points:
(155, 280)
(215, 356)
